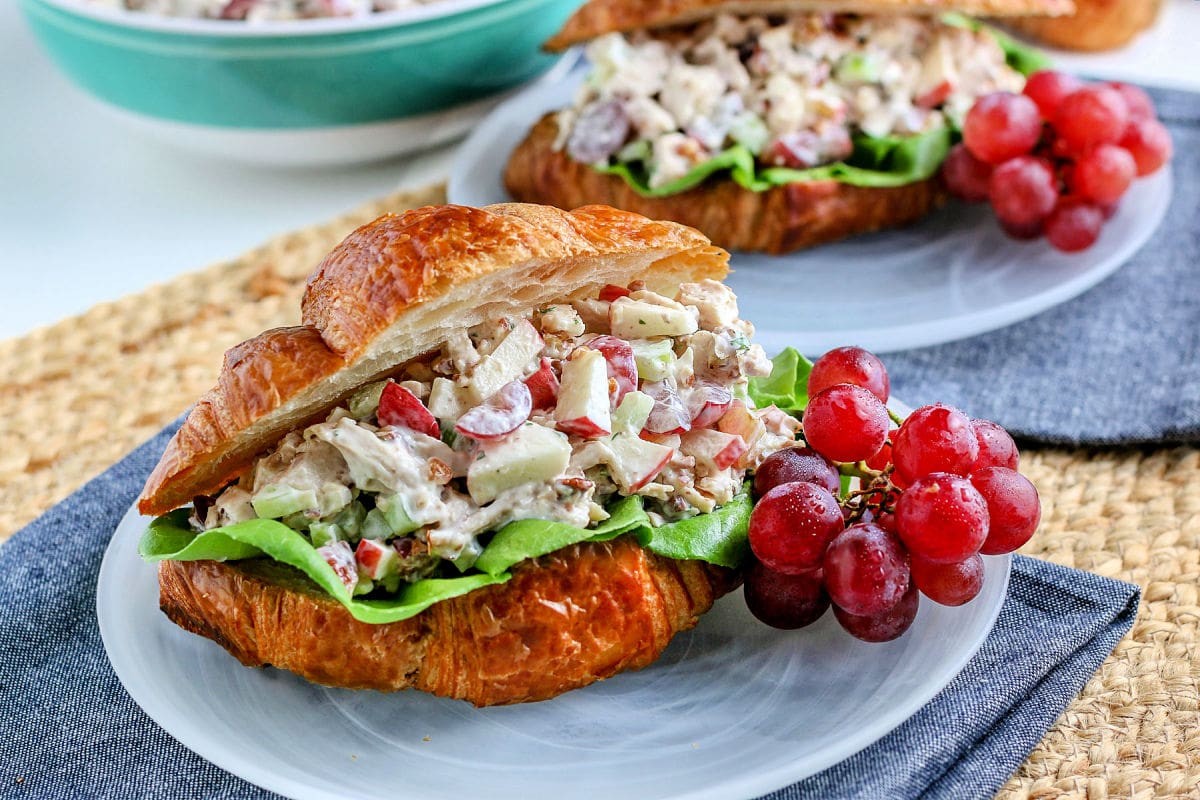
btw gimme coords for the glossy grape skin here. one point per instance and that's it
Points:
(850, 365)
(942, 518)
(996, 446)
(883, 459)
(845, 423)
(883, 627)
(796, 464)
(965, 175)
(949, 584)
(936, 438)
(1000, 126)
(792, 524)
(1091, 116)
(1047, 88)
(1023, 191)
(1103, 174)
(1136, 100)
(1149, 142)
(866, 570)
(785, 601)
(1014, 509)
(1074, 226)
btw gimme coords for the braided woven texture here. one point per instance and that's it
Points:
(78, 395)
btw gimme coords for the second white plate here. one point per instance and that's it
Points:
(954, 275)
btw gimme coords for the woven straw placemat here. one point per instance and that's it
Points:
(78, 395)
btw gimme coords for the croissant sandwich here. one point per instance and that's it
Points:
(769, 125)
(503, 457)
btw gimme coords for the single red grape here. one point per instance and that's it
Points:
(1000, 126)
(883, 459)
(942, 518)
(937, 438)
(996, 447)
(1047, 88)
(796, 464)
(1023, 190)
(845, 423)
(866, 569)
(850, 365)
(949, 584)
(1024, 232)
(785, 601)
(883, 627)
(791, 525)
(1013, 508)
(965, 175)
(1093, 115)
(1074, 226)
(1136, 100)
(1103, 173)
(1149, 142)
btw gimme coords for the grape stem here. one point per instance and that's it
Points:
(896, 418)
(858, 470)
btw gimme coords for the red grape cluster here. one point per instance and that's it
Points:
(1056, 159)
(933, 495)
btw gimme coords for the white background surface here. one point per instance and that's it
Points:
(90, 211)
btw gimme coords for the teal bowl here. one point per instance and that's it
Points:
(306, 91)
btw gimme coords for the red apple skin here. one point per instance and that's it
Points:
(339, 556)
(543, 386)
(582, 426)
(650, 476)
(713, 405)
(731, 453)
(400, 407)
(368, 554)
(611, 292)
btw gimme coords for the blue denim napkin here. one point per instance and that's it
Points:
(69, 730)
(1116, 365)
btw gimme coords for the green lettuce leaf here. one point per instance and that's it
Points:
(1021, 57)
(719, 538)
(786, 386)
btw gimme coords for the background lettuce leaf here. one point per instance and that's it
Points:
(786, 386)
(1021, 57)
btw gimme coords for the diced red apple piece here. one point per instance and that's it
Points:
(543, 386)
(530, 454)
(400, 407)
(637, 319)
(500, 415)
(707, 403)
(713, 449)
(611, 292)
(622, 368)
(935, 96)
(376, 558)
(740, 421)
(506, 363)
(339, 556)
(669, 414)
(583, 408)
(636, 462)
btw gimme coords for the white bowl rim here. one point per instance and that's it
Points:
(269, 29)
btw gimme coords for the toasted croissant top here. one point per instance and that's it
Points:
(598, 17)
(391, 292)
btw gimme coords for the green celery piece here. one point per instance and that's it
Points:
(166, 538)
(786, 386)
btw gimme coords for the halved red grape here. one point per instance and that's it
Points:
(1103, 173)
(1093, 115)
(942, 518)
(792, 524)
(845, 423)
(1149, 142)
(785, 601)
(1136, 100)
(996, 447)
(936, 438)
(1014, 509)
(796, 464)
(949, 584)
(866, 569)
(1023, 191)
(883, 627)
(1047, 88)
(1000, 126)
(850, 365)
(965, 175)
(1074, 226)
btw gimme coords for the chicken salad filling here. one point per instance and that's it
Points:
(555, 416)
(260, 10)
(795, 92)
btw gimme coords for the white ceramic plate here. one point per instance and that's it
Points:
(954, 275)
(733, 709)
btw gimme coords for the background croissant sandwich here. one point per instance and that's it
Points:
(769, 125)
(1095, 25)
(502, 458)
